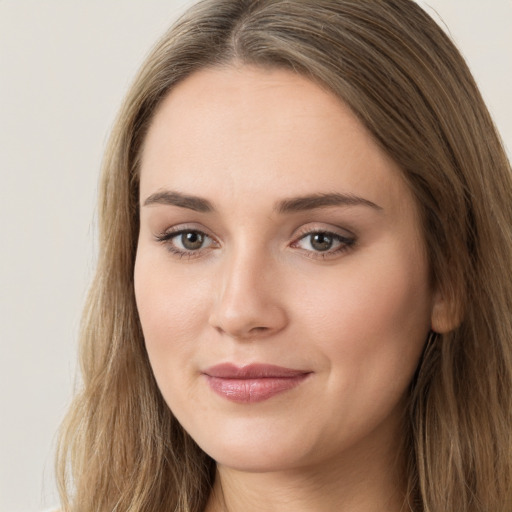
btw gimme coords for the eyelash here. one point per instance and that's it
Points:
(167, 237)
(345, 243)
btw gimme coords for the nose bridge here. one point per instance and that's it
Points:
(248, 302)
(240, 270)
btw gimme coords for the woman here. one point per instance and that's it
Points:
(303, 296)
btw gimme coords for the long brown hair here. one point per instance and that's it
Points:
(121, 449)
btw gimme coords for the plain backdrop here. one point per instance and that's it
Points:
(64, 68)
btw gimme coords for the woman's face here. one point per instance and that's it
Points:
(281, 277)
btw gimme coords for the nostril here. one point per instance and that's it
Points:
(241, 333)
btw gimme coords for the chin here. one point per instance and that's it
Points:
(255, 460)
(257, 450)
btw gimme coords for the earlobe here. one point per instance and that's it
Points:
(446, 314)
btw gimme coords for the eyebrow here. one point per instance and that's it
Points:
(291, 205)
(314, 201)
(172, 198)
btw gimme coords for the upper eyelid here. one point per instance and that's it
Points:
(180, 228)
(333, 230)
(168, 236)
(298, 233)
(346, 240)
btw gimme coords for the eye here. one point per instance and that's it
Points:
(320, 241)
(323, 244)
(186, 242)
(189, 240)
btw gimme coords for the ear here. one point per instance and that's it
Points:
(446, 313)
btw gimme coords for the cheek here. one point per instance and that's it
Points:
(368, 325)
(172, 311)
(372, 317)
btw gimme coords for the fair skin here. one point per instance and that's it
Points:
(234, 267)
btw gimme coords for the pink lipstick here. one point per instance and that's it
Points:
(252, 383)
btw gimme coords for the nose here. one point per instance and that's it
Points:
(249, 302)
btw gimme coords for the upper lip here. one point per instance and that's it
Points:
(252, 371)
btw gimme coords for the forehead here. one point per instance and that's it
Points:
(252, 131)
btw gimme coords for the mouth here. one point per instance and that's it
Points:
(254, 382)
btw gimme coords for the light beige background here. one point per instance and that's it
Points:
(64, 67)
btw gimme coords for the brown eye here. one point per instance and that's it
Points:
(321, 241)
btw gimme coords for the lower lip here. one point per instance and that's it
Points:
(253, 389)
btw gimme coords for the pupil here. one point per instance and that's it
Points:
(321, 242)
(192, 240)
